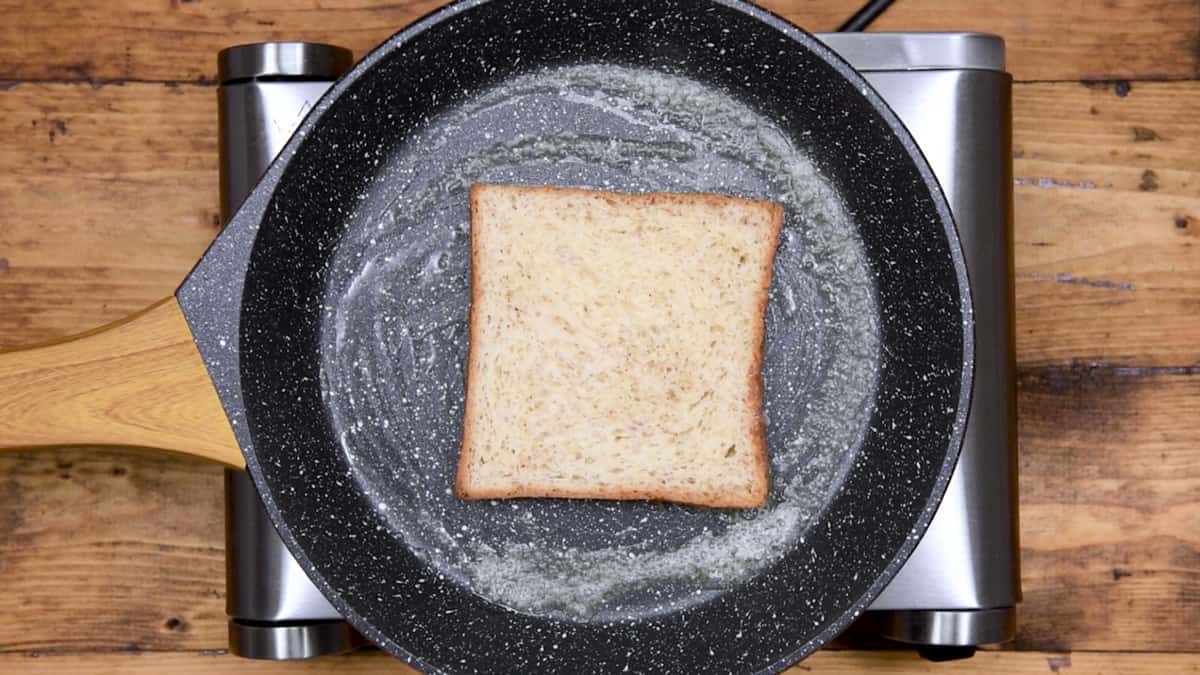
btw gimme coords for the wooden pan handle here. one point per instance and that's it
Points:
(139, 382)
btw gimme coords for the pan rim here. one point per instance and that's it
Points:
(805, 41)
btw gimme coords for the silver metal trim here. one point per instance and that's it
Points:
(275, 610)
(304, 641)
(255, 119)
(918, 51)
(283, 59)
(968, 558)
(264, 583)
(960, 628)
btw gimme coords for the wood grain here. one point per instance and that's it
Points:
(1110, 508)
(850, 662)
(1107, 223)
(1106, 271)
(110, 550)
(107, 198)
(138, 382)
(1110, 526)
(1089, 40)
(177, 41)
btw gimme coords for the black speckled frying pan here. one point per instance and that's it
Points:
(332, 317)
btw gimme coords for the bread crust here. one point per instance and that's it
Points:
(462, 475)
(754, 420)
(758, 424)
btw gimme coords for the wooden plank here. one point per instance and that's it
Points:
(1115, 39)
(108, 549)
(178, 41)
(109, 196)
(1107, 221)
(850, 662)
(106, 557)
(1110, 508)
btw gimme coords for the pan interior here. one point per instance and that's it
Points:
(394, 340)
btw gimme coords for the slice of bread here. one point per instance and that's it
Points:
(616, 346)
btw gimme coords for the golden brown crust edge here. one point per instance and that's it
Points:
(462, 475)
(674, 496)
(756, 421)
(754, 417)
(644, 198)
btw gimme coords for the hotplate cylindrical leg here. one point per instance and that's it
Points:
(275, 611)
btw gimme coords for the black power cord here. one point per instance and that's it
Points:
(863, 17)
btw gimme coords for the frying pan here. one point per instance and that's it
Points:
(322, 339)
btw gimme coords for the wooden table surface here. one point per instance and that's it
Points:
(111, 560)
